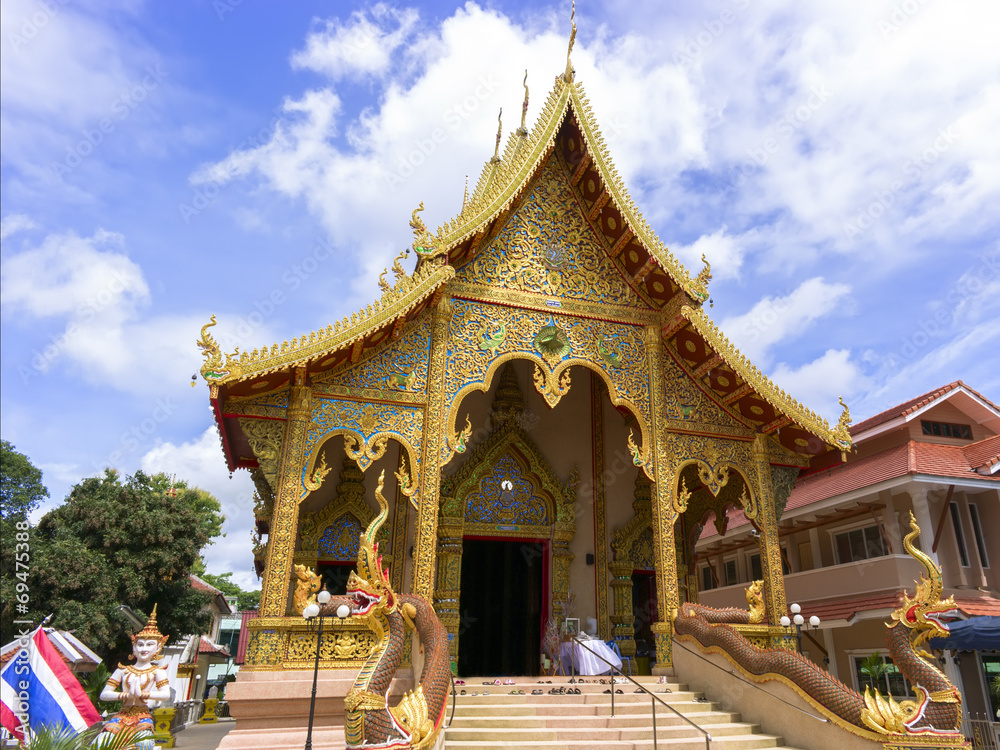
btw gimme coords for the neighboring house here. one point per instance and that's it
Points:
(230, 627)
(189, 660)
(842, 532)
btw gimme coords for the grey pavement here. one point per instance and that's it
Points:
(204, 736)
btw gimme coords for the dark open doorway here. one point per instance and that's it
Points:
(501, 606)
(644, 611)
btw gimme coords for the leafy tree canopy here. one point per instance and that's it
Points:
(244, 599)
(21, 488)
(118, 541)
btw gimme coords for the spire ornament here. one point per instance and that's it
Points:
(523, 130)
(496, 150)
(568, 75)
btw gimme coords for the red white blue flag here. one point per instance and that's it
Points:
(37, 688)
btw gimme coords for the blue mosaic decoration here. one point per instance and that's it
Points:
(340, 540)
(506, 496)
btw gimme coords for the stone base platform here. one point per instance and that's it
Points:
(272, 708)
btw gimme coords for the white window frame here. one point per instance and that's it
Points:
(864, 523)
(861, 653)
(977, 532)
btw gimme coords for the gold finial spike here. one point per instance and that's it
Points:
(523, 130)
(496, 150)
(465, 198)
(568, 75)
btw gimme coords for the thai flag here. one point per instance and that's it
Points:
(37, 688)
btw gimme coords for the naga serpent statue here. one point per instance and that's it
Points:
(416, 721)
(932, 719)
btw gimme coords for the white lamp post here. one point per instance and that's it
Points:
(798, 620)
(312, 611)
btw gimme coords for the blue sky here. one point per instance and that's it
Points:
(161, 162)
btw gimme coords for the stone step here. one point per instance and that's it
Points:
(750, 742)
(475, 721)
(518, 735)
(562, 705)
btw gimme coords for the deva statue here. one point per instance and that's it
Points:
(137, 684)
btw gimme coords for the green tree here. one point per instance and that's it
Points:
(21, 491)
(21, 488)
(244, 599)
(115, 541)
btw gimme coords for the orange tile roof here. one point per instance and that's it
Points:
(201, 585)
(985, 452)
(915, 457)
(979, 605)
(908, 407)
(846, 607)
(207, 647)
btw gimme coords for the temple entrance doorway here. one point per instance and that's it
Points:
(644, 611)
(503, 598)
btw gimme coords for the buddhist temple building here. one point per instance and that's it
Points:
(554, 411)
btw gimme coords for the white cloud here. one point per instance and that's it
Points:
(775, 319)
(199, 462)
(723, 251)
(80, 277)
(436, 124)
(102, 295)
(819, 383)
(364, 45)
(14, 223)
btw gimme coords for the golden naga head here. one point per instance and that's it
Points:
(926, 612)
(369, 587)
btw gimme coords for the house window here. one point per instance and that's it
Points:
(706, 578)
(946, 429)
(859, 544)
(956, 523)
(731, 578)
(891, 682)
(977, 529)
(756, 571)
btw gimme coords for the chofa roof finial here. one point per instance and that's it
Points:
(568, 75)
(523, 130)
(496, 150)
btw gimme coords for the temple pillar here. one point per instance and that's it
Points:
(447, 588)
(281, 541)
(623, 619)
(767, 523)
(430, 464)
(664, 514)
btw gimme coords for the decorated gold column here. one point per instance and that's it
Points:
(281, 543)
(449, 578)
(622, 621)
(765, 519)
(430, 465)
(664, 514)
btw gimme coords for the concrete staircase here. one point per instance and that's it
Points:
(584, 721)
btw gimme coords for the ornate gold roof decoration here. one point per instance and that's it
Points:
(523, 130)
(568, 75)
(765, 388)
(407, 293)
